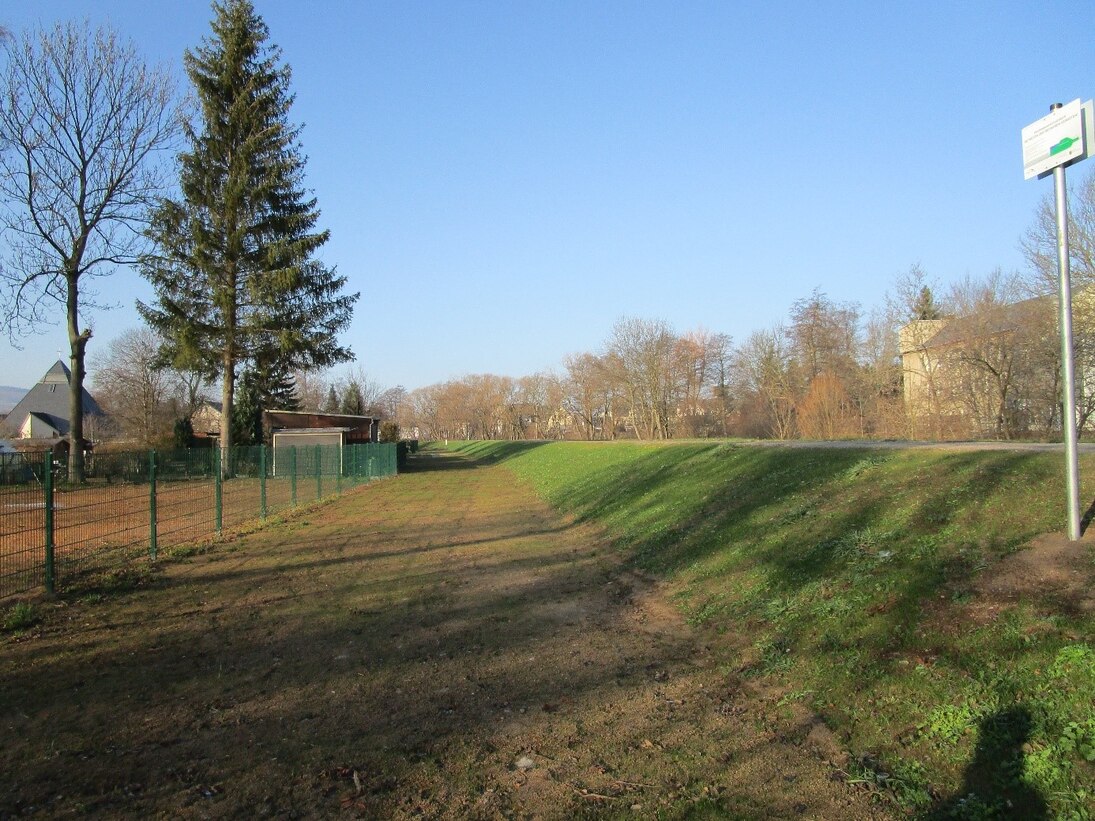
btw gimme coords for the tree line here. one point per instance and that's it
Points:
(979, 358)
(813, 377)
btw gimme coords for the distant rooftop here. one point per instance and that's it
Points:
(58, 374)
(49, 402)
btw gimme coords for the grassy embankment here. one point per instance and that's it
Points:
(861, 583)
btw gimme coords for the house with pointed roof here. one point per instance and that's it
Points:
(42, 416)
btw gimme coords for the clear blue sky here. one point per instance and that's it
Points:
(503, 180)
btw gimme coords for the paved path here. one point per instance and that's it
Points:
(1034, 447)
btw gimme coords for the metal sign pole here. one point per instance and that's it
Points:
(1068, 415)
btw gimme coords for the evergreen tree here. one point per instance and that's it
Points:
(261, 388)
(925, 307)
(235, 275)
(247, 414)
(275, 385)
(183, 435)
(331, 405)
(353, 401)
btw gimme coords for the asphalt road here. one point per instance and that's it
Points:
(897, 444)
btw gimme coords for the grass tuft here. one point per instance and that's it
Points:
(20, 616)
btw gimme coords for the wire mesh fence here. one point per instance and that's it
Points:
(137, 503)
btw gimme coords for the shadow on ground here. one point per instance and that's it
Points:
(990, 787)
(440, 645)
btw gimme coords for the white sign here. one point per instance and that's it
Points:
(1088, 109)
(1054, 140)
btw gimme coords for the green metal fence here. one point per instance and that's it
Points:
(137, 503)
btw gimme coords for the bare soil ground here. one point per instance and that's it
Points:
(96, 521)
(1051, 571)
(440, 645)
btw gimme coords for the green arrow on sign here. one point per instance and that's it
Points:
(1063, 145)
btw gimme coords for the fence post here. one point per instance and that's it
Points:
(152, 504)
(338, 471)
(293, 475)
(47, 489)
(262, 480)
(218, 482)
(319, 473)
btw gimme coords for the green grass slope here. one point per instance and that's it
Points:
(855, 581)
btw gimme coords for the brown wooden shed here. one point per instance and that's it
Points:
(358, 429)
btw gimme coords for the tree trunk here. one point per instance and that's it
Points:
(228, 385)
(77, 342)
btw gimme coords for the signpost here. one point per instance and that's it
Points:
(1053, 140)
(1063, 137)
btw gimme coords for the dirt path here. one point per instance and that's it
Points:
(438, 645)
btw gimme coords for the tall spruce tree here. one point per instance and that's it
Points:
(925, 307)
(235, 275)
(247, 414)
(331, 405)
(260, 387)
(353, 401)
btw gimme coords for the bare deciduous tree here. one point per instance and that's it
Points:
(1040, 243)
(1040, 248)
(989, 343)
(82, 123)
(588, 396)
(133, 390)
(701, 360)
(537, 399)
(311, 388)
(881, 402)
(764, 372)
(390, 402)
(358, 394)
(641, 353)
(825, 335)
(826, 411)
(425, 412)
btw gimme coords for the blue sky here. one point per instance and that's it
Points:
(503, 180)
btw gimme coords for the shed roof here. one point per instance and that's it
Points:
(280, 431)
